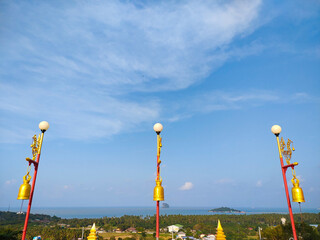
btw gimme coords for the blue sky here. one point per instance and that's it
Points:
(216, 74)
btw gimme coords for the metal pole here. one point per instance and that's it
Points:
(284, 169)
(24, 232)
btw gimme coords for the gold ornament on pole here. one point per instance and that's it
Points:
(24, 192)
(158, 192)
(35, 147)
(25, 188)
(297, 193)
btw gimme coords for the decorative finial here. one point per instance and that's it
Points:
(219, 225)
(220, 234)
(93, 235)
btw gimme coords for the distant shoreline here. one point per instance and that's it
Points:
(99, 212)
(226, 211)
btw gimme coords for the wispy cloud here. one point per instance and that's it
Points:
(231, 100)
(186, 186)
(10, 182)
(67, 187)
(153, 47)
(224, 181)
(259, 183)
(89, 68)
(210, 101)
(81, 115)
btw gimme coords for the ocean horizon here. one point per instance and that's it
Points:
(100, 212)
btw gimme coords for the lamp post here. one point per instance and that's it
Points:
(36, 151)
(158, 192)
(276, 130)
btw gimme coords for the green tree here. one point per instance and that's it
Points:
(8, 234)
(140, 229)
(197, 227)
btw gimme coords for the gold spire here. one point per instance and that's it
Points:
(220, 234)
(93, 234)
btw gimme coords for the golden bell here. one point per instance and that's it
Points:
(297, 193)
(158, 192)
(25, 188)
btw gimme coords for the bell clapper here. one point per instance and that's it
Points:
(300, 212)
(20, 212)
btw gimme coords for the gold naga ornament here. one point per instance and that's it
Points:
(25, 188)
(297, 193)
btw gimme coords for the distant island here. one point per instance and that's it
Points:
(165, 205)
(225, 210)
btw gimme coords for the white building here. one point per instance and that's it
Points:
(209, 237)
(181, 235)
(175, 228)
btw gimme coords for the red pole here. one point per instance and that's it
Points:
(284, 169)
(24, 232)
(158, 175)
(157, 230)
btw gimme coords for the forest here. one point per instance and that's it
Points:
(234, 226)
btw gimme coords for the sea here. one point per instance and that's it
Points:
(100, 212)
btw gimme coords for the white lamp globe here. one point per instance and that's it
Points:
(276, 129)
(158, 127)
(44, 126)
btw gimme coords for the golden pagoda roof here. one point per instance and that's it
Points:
(220, 234)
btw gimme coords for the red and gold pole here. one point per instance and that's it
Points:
(158, 192)
(43, 127)
(276, 129)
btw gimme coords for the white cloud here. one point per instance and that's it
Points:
(259, 183)
(186, 186)
(89, 68)
(67, 187)
(224, 181)
(153, 47)
(206, 102)
(10, 182)
(90, 114)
